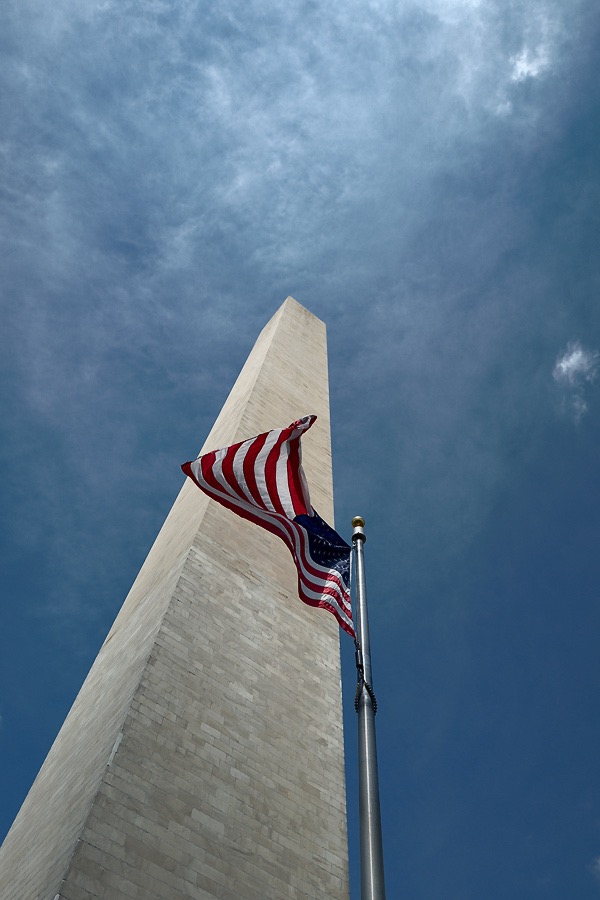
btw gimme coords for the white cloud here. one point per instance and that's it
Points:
(529, 63)
(574, 370)
(540, 40)
(576, 365)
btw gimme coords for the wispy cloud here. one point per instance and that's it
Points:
(574, 370)
(175, 170)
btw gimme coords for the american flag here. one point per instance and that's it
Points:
(262, 480)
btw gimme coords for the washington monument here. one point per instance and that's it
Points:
(203, 756)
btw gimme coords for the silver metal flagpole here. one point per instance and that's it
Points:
(372, 886)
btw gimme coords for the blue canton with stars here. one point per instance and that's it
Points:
(326, 546)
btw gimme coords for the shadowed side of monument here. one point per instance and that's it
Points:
(203, 756)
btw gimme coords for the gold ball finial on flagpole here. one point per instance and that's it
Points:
(358, 523)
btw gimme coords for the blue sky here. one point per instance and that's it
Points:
(425, 177)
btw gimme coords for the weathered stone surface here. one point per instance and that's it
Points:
(203, 757)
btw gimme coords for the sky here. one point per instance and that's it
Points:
(424, 177)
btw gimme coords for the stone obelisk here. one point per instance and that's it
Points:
(203, 756)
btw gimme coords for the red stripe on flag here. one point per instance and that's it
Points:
(295, 482)
(228, 472)
(206, 464)
(249, 468)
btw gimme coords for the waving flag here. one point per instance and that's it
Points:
(262, 480)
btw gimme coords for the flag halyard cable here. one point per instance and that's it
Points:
(361, 681)
(358, 654)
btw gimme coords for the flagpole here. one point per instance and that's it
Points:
(372, 885)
